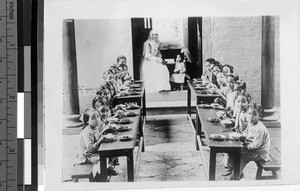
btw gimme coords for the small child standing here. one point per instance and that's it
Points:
(256, 141)
(178, 76)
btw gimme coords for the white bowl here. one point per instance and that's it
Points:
(234, 135)
(226, 123)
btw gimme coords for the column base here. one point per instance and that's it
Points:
(271, 118)
(72, 121)
(269, 112)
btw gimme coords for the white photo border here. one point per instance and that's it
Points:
(58, 10)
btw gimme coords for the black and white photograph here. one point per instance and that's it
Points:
(188, 99)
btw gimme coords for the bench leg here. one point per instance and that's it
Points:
(76, 179)
(274, 174)
(258, 172)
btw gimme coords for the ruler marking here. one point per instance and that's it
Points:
(10, 58)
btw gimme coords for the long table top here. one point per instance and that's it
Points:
(197, 91)
(137, 87)
(215, 128)
(124, 145)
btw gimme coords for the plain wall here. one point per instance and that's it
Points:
(98, 44)
(237, 41)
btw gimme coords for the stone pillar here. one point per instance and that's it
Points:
(71, 98)
(268, 64)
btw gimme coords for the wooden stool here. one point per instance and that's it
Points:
(82, 171)
(272, 165)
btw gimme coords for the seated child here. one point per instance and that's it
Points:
(124, 74)
(256, 141)
(178, 76)
(215, 68)
(112, 88)
(91, 137)
(242, 104)
(223, 88)
(230, 80)
(239, 88)
(208, 63)
(229, 98)
(105, 92)
(121, 60)
(227, 69)
(100, 104)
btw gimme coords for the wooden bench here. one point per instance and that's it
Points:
(82, 171)
(272, 165)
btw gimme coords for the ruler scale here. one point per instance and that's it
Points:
(8, 95)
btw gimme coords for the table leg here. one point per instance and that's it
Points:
(130, 168)
(188, 100)
(141, 132)
(144, 104)
(236, 164)
(212, 164)
(197, 131)
(103, 167)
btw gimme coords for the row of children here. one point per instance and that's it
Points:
(245, 116)
(96, 123)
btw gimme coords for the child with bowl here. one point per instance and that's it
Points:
(256, 141)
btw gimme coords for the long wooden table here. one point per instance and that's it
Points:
(200, 97)
(225, 146)
(140, 99)
(122, 148)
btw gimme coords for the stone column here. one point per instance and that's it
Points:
(268, 64)
(71, 98)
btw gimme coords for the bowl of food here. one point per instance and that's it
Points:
(132, 106)
(206, 106)
(218, 137)
(125, 137)
(124, 120)
(216, 106)
(112, 119)
(130, 114)
(123, 128)
(197, 79)
(214, 119)
(135, 85)
(109, 138)
(202, 91)
(119, 114)
(227, 123)
(120, 107)
(213, 90)
(134, 93)
(235, 136)
(220, 114)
